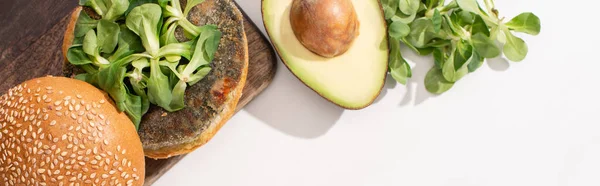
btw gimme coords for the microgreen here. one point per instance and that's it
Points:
(460, 34)
(132, 53)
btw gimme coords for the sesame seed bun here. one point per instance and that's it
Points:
(61, 131)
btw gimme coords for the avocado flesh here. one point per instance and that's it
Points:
(352, 80)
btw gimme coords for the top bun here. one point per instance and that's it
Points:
(61, 131)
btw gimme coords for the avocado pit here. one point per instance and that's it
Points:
(325, 27)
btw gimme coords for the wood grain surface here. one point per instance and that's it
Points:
(30, 46)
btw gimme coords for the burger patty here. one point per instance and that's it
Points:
(205, 101)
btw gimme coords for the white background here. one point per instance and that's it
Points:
(533, 123)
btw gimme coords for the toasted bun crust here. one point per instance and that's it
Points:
(70, 31)
(61, 131)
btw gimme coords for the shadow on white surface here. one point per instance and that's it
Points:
(419, 70)
(498, 64)
(294, 109)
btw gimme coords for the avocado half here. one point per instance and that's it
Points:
(352, 80)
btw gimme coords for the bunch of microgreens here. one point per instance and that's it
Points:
(132, 53)
(460, 35)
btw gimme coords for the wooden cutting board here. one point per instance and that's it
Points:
(30, 46)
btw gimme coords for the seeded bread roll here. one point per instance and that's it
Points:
(60, 131)
(209, 103)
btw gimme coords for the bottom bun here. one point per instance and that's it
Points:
(211, 102)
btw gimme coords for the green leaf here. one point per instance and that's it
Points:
(399, 68)
(469, 5)
(176, 49)
(110, 79)
(89, 68)
(515, 48)
(199, 75)
(421, 32)
(168, 36)
(83, 77)
(90, 43)
(144, 21)
(206, 42)
(389, 8)
(449, 24)
(129, 43)
(406, 19)
(436, 83)
(398, 30)
(463, 53)
(108, 35)
(466, 18)
(84, 24)
(116, 9)
(191, 4)
(76, 56)
(212, 44)
(409, 7)
(133, 107)
(479, 26)
(485, 46)
(163, 3)
(136, 3)
(525, 22)
(177, 102)
(78, 41)
(439, 58)
(439, 43)
(475, 63)
(98, 6)
(432, 3)
(437, 21)
(456, 66)
(159, 91)
(139, 81)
